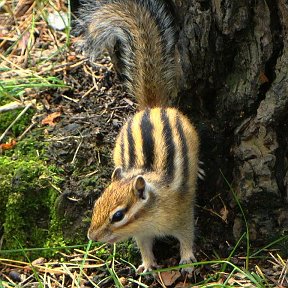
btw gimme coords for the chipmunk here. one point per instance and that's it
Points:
(156, 152)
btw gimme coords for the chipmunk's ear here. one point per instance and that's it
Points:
(117, 174)
(140, 187)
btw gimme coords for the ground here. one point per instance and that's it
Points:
(56, 159)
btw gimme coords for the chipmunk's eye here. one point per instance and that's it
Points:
(118, 216)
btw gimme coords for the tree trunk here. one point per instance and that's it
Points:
(234, 59)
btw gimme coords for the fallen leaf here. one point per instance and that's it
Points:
(71, 58)
(7, 146)
(39, 261)
(51, 119)
(169, 277)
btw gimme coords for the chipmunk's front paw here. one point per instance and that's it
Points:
(147, 267)
(190, 269)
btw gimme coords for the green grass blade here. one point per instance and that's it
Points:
(84, 260)
(35, 273)
(283, 238)
(244, 218)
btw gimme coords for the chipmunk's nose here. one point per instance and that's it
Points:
(91, 235)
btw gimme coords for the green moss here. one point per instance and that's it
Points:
(27, 197)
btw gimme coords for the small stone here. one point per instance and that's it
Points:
(15, 276)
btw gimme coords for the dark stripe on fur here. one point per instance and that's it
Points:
(184, 149)
(148, 141)
(164, 20)
(131, 145)
(122, 150)
(170, 146)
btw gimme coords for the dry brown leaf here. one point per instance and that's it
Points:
(7, 146)
(39, 261)
(51, 119)
(169, 277)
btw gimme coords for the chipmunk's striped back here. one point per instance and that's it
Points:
(159, 140)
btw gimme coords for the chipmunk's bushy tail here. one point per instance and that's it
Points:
(140, 39)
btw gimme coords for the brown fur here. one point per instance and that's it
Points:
(147, 56)
(156, 152)
(169, 208)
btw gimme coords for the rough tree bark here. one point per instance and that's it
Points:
(234, 59)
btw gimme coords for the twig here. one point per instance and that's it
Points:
(89, 174)
(284, 271)
(61, 67)
(70, 99)
(17, 118)
(26, 131)
(77, 149)
(59, 139)
(89, 91)
(11, 106)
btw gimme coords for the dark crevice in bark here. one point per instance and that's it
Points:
(281, 156)
(277, 39)
(205, 5)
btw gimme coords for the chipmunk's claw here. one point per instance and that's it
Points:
(190, 269)
(143, 268)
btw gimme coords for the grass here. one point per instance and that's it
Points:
(244, 218)
(35, 273)
(27, 69)
(81, 266)
(16, 87)
(39, 63)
